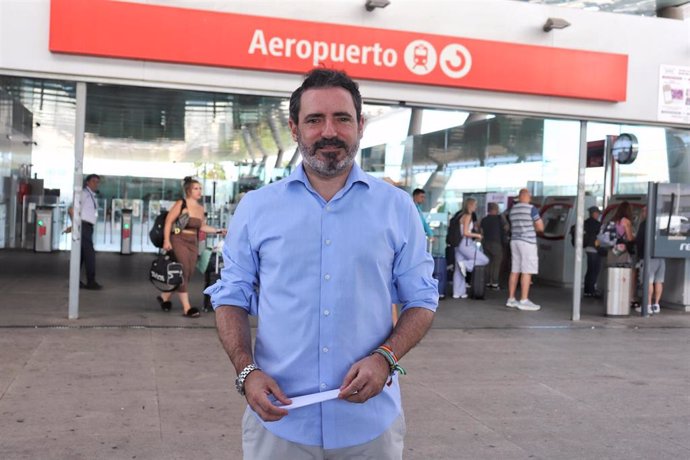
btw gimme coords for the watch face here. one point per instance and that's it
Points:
(625, 149)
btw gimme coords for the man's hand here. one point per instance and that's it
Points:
(365, 379)
(257, 386)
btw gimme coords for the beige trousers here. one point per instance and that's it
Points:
(260, 444)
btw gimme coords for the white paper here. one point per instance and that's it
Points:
(307, 400)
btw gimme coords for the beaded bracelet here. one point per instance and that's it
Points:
(387, 353)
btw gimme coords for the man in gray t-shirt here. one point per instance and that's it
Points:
(525, 222)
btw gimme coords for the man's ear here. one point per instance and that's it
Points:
(293, 129)
(362, 122)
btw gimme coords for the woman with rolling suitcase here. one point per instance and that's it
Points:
(467, 253)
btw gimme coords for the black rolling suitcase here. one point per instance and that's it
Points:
(478, 287)
(212, 274)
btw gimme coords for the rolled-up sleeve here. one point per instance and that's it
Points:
(413, 266)
(239, 278)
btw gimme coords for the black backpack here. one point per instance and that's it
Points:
(156, 233)
(453, 237)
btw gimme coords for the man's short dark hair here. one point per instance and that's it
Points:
(417, 191)
(92, 176)
(325, 78)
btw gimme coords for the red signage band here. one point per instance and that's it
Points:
(120, 29)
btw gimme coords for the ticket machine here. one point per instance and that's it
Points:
(556, 251)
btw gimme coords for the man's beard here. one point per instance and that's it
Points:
(330, 166)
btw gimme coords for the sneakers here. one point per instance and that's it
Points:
(524, 305)
(464, 296)
(654, 309)
(528, 305)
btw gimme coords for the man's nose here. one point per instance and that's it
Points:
(329, 129)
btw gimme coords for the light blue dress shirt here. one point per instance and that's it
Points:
(321, 277)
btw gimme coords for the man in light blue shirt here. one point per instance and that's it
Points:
(418, 196)
(320, 257)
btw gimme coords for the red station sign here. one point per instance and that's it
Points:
(118, 29)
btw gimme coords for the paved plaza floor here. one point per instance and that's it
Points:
(127, 381)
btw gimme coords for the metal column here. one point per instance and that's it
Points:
(75, 253)
(650, 222)
(579, 222)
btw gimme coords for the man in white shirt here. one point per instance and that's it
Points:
(89, 215)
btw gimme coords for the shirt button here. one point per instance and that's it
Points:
(323, 386)
(325, 349)
(326, 312)
(327, 277)
(328, 207)
(328, 242)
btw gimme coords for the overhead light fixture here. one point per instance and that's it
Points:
(371, 5)
(555, 23)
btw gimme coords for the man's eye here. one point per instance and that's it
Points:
(312, 120)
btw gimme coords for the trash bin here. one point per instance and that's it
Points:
(126, 232)
(619, 291)
(43, 236)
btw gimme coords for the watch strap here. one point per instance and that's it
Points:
(239, 382)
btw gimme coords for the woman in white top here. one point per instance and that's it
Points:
(467, 254)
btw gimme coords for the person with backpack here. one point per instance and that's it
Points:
(453, 238)
(180, 235)
(467, 254)
(623, 246)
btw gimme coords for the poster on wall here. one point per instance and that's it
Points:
(674, 94)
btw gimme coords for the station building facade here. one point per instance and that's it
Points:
(468, 97)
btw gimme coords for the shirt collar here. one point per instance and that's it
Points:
(356, 175)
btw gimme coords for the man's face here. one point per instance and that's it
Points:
(327, 132)
(93, 183)
(596, 215)
(419, 198)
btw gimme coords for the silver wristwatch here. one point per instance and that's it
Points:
(239, 381)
